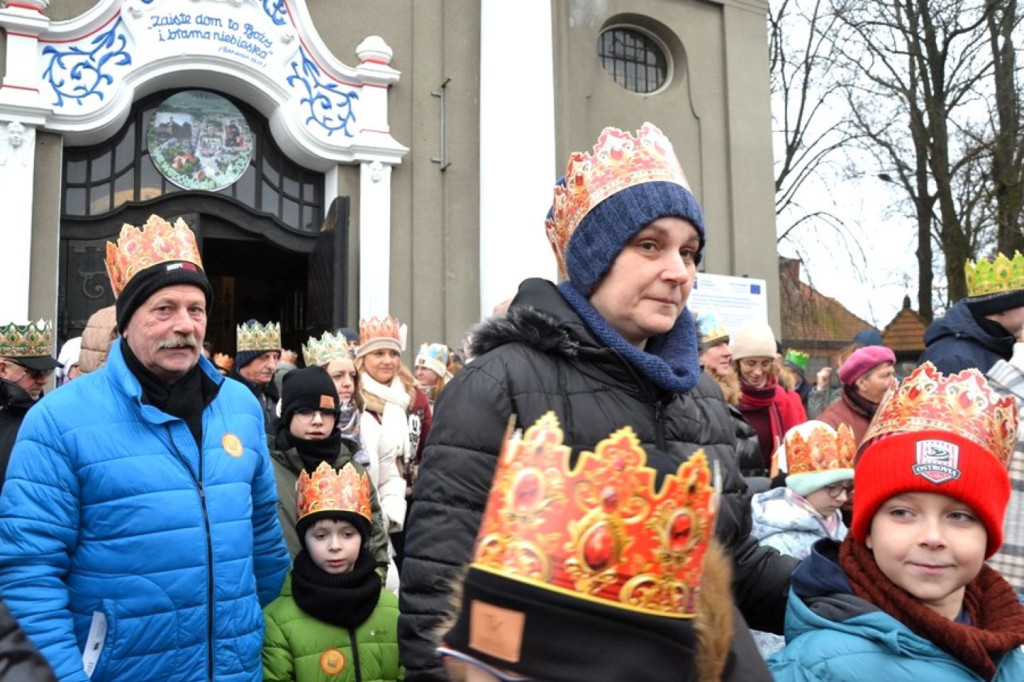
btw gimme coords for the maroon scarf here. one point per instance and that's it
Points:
(756, 399)
(997, 617)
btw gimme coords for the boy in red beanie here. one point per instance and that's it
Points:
(908, 591)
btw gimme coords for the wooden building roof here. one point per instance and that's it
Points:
(811, 319)
(905, 334)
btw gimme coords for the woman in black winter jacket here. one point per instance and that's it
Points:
(610, 347)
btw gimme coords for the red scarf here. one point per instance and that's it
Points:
(765, 398)
(996, 615)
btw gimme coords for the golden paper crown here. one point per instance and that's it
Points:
(32, 340)
(155, 242)
(381, 328)
(330, 490)
(223, 361)
(319, 352)
(709, 328)
(255, 336)
(823, 449)
(619, 160)
(1000, 276)
(598, 530)
(962, 404)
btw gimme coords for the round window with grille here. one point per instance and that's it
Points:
(634, 59)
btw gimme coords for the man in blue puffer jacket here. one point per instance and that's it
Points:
(138, 524)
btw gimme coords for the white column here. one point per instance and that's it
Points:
(517, 146)
(374, 238)
(17, 160)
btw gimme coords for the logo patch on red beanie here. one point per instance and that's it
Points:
(937, 461)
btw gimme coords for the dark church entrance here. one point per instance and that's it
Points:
(266, 246)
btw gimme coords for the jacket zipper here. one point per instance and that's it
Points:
(209, 549)
(355, 654)
(659, 425)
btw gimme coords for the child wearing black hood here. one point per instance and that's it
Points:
(308, 434)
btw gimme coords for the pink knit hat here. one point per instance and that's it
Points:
(862, 361)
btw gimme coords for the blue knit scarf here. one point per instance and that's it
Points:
(670, 360)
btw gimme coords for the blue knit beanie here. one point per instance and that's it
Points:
(608, 227)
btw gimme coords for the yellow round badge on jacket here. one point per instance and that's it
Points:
(332, 661)
(231, 445)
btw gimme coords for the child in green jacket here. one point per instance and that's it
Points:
(332, 621)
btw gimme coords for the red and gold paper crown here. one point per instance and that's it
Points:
(255, 336)
(376, 329)
(32, 340)
(319, 352)
(1000, 276)
(155, 242)
(619, 160)
(223, 361)
(598, 530)
(330, 490)
(822, 450)
(962, 404)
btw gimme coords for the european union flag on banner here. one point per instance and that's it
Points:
(755, 288)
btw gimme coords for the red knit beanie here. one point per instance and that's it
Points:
(949, 435)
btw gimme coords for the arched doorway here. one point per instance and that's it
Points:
(266, 246)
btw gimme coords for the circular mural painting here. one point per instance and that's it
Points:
(199, 140)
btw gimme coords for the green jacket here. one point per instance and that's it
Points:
(287, 467)
(299, 648)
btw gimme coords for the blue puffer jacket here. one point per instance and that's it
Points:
(109, 508)
(956, 342)
(833, 635)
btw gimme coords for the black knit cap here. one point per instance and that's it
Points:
(990, 304)
(156, 277)
(569, 638)
(309, 387)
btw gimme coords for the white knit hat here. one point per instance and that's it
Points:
(753, 340)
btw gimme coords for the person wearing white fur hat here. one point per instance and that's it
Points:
(818, 460)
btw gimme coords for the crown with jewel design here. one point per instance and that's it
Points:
(822, 449)
(619, 160)
(600, 529)
(319, 352)
(999, 276)
(155, 242)
(32, 340)
(797, 358)
(381, 332)
(333, 490)
(710, 329)
(962, 404)
(255, 336)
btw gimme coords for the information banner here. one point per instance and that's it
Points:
(735, 301)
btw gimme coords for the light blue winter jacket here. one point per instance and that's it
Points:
(834, 636)
(781, 522)
(110, 508)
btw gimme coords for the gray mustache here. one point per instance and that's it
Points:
(179, 341)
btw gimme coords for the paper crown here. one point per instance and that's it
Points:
(381, 329)
(223, 361)
(32, 340)
(999, 276)
(710, 329)
(319, 352)
(797, 357)
(434, 356)
(619, 160)
(822, 449)
(333, 490)
(598, 530)
(962, 404)
(252, 335)
(155, 242)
